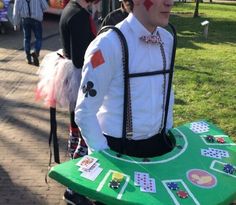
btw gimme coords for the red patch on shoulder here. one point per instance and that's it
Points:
(97, 59)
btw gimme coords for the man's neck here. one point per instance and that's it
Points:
(83, 4)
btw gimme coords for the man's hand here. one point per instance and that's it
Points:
(16, 28)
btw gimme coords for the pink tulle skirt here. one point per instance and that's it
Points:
(58, 82)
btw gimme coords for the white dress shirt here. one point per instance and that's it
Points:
(103, 113)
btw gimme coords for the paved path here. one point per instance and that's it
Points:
(24, 125)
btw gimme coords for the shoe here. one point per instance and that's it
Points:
(73, 142)
(35, 58)
(29, 59)
(73, 198)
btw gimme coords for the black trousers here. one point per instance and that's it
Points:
(156, 145)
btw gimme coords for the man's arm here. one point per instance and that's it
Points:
(44, 5)
(80, 38)
(16, 13)
(96, 77)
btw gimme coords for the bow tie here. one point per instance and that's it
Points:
(153, 39)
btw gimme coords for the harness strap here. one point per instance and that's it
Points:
(170, 75)
(134, 75)
(126, 130)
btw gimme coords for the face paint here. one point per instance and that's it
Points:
(148, 4)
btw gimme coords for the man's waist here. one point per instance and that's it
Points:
(31, 18)
(135, 136)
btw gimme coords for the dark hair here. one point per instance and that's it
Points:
(131, 4)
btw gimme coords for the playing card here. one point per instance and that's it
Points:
(221, 152)
(199, 127)
(140, 178)
(86, 162)
(150, 186)
(92, 175)
(91, 169)
(208, 153)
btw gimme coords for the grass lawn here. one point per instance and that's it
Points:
(205, 69)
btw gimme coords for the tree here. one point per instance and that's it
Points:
(196, 13)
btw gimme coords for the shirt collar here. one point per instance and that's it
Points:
(137, 27)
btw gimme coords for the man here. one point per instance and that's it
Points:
(77, 30)
(100, 103)
(30, 14)
(118, 15)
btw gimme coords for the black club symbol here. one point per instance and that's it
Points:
(88, 89)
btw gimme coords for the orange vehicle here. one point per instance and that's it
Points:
(56, 6)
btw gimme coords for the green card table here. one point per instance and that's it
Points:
(199, 170)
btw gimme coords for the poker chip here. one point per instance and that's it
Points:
(173, 185)
(220, 140)
(179, 146)
(117, 176)
(182, 194)
(210, 138)
(119, 155)
(114, 184)
(228, 168)
(146, 160)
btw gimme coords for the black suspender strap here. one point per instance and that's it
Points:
(171, 71)
(127, 114)
(28, 4)
(158, 72)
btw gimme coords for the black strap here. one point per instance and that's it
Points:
(125, 59)
(53, 137)
(158, 72)
(28, 3)
(171, 71)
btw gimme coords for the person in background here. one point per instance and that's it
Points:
(100, 104)
(119, 14)
(77, 29)
(29, 13)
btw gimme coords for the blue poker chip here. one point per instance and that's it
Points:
(173, 185)
(228, 168)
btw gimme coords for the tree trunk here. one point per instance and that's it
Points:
(196, 14)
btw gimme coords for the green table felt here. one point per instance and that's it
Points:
(200, 176)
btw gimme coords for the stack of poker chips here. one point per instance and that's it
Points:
(210, 138)
(220, 140)
(174, 186)
(117, 177)
(229, 169)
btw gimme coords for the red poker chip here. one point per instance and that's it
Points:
(220, 140)
(182, 194)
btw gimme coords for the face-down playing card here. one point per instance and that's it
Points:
(140, 178)
(214, 153)
(146, 184)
